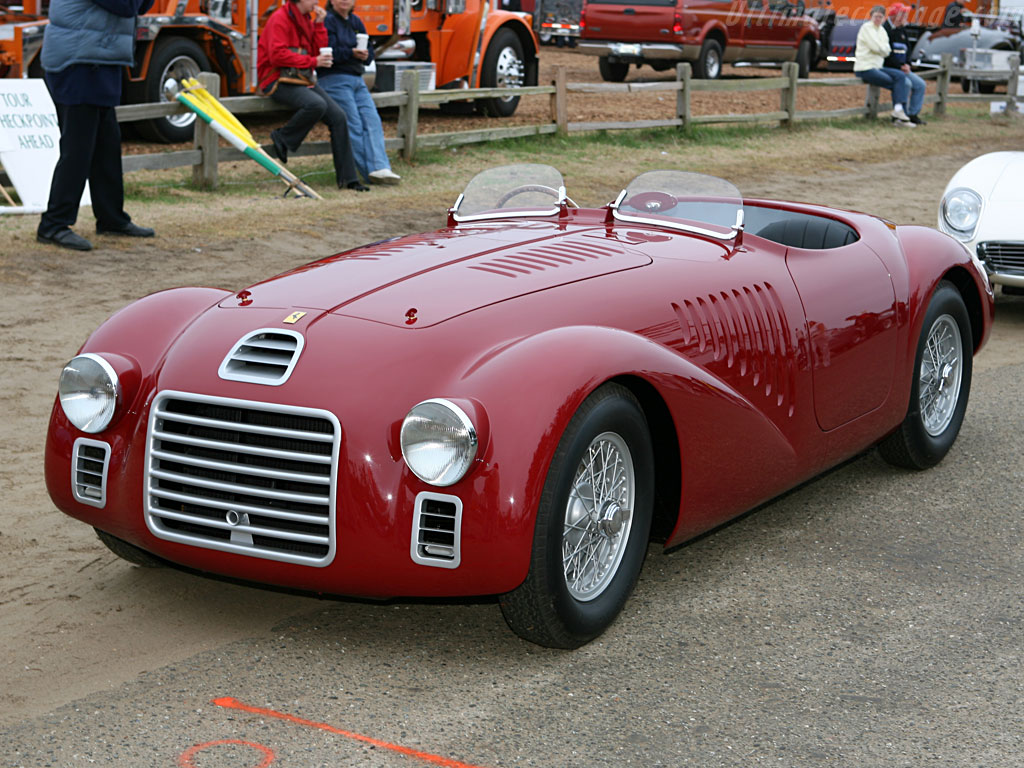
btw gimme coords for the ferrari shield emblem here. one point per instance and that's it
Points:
(294, 317)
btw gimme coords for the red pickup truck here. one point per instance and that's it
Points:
(706, 33)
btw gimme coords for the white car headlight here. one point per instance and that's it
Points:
(961, 209)
(439, 442)
(88, 392)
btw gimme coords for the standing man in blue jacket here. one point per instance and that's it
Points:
(86, 46)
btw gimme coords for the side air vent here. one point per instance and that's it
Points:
(89, 461)
(266, 356)
(437, 530)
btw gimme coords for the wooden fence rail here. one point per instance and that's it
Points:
(207, 153)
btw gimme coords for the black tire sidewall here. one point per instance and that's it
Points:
(930, 449)
(702, 61)
(167, 50)
(611, 413)
(502, 39)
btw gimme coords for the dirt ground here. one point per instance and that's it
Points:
(73, 618)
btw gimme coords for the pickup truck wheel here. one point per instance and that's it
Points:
(173, 58)
(977, 86)
(612, 71)
(504, 67)
(709, 61)
(804, 54)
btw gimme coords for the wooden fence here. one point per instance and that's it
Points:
(207, 153)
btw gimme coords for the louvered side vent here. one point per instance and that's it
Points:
(266, 356)
(437, 530)
(89, 462)
(253, 478)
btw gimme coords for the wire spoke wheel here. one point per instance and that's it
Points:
(598, 516)
(939, 376)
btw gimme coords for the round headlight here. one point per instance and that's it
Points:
(88, 392)
(438, 442)
(961, 209)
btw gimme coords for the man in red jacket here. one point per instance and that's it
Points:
(288, 55)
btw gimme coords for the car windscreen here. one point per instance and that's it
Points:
(524, 189)
(682, 200)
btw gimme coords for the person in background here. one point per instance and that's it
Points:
(954, 16)
(86, 45)
(289, 50)
(869, 64)
(899, 59)
(343, 82)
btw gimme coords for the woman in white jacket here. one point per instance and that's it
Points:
(872, 48)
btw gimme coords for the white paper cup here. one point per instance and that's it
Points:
(327, 51)
(362, 40)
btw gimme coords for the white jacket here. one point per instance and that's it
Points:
(872, 47)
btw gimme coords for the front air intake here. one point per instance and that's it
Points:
(89, 461)
(437, 530)
(266, 356)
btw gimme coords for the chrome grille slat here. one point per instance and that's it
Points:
(250, 529)
(242, 448)
(247, 490)
(1003, 257)
(241, 476)
(245, 469)
(253, 428)
(280, 514)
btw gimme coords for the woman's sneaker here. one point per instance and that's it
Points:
(385, 176)
(899, 114)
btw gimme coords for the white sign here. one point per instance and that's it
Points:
(29, 142)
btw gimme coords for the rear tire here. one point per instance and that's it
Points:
(612, 71)
(941, 386)
(709, 61)
(173, 58)
(129, 552)
(592, 527)
(804, 55)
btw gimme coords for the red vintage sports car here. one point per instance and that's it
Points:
(516, 403)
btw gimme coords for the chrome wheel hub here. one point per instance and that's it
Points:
(176, 69)
(940, 374)
(598, 516)
(508, 71)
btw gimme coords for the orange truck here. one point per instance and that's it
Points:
(470, 43)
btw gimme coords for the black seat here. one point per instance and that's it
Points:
(799, 230)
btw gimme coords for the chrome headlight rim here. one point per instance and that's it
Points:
(454, 470)
(103, 419)
(965, 231)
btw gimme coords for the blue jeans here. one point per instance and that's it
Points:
(917, 86)
(364, 128)
(896, 80)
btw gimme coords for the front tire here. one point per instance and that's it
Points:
(942, 384)
(804, 55)
(504, 67)
(592, 527)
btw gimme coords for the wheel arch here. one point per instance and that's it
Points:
(715, 31)
(513, 23)
(962, 281)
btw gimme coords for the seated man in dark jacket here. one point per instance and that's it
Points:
(895, 27)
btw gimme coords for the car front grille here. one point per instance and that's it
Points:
(247, 477)
(1003, 258)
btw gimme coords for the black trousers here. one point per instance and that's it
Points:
(90, 150)
(312, 105)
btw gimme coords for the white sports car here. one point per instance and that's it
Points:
(983, 207)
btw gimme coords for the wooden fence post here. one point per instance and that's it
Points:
(559, 102)
(787, 96)
(206, 140)
(683, 74)
(871, 105)
(1011, 84)
(409, 119)
(942, 84)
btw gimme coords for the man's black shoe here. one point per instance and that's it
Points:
(279, 147)
(65, 238)
(130, 230)
(357, 186)
(916, 120)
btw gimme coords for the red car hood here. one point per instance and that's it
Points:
(432, 277)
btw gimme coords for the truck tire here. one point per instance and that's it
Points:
(504, 67)
(173, 58)
(709, 61)
(612, 71)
